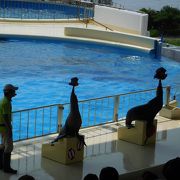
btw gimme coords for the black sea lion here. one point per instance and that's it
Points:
(73, 121)
(147, 112)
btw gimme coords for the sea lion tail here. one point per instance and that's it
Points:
(81, 139)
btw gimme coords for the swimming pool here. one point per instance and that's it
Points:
(43, 68)
(43, 10)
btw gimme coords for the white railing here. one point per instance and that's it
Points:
(45, 120)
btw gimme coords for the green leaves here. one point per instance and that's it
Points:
(166, 21)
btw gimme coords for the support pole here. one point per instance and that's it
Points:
(116, 107)
(60, 117)
(168, 88)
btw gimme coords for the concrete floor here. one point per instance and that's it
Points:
(42, 29)
(103, 149)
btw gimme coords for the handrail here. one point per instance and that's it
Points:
(35, 108)
(45, 120)
(86, 100)
(102, 25)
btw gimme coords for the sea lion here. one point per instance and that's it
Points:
(147, 112)
(73, 121)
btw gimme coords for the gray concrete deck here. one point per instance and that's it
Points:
(172, 52)
(103, 149)
(42, 29)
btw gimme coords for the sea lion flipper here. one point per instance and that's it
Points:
(57, 138)
(81, 139)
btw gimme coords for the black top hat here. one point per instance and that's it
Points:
(160, 73)
(74, 81)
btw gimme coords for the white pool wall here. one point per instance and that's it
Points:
(124, 38)
(122, 20)
(172, 52)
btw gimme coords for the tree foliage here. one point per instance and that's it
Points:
(166, 21)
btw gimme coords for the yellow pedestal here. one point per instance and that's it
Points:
(136, 134)
(170, 112)
(65, 151)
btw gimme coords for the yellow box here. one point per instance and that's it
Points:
(136, 134)
(170, 112)
(66, 151)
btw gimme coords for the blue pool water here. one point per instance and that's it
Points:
(43, 68)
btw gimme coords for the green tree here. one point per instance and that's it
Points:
(167, 20)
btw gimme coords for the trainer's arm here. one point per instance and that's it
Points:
(7, 123)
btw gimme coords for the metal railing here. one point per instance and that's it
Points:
(38, 10)
(35, 122)
(107, 28)
(41, 121)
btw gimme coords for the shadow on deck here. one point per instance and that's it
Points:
(103, 149)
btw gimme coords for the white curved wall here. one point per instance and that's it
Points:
(124, 38)
(122, 20)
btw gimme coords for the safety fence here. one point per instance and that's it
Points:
(46, 120)
(39, 10)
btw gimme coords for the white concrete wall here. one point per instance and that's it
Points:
(124, 38)
(122, 20)
(171, 52)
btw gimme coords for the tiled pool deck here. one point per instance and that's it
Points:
(103, 149)
(42, 29)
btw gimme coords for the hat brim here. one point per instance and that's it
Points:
(74, 84)
(15, 88)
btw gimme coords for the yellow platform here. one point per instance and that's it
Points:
(136, 134)
(66, 151)
(170, 112)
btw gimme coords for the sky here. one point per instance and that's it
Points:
(153, 4)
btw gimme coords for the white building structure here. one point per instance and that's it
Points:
(122, 20)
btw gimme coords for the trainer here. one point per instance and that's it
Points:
(6, 146)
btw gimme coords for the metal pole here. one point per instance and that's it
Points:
(168, 89)
(60, 116)
(116, 107)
